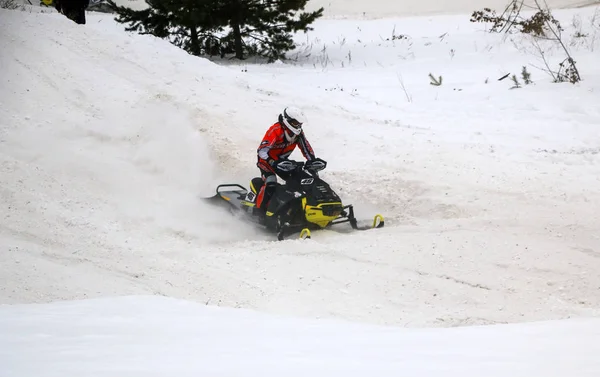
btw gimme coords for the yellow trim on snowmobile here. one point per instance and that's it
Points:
(314, 214)
(269, 213)
(247, 204)
(252, 188)
(224, 197)
(381, 221)
(304, 234)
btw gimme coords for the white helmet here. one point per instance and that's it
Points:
(293, 118)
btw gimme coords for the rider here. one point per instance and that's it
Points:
(278, 143)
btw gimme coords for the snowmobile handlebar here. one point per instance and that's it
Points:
(312, 166)
(315, 165)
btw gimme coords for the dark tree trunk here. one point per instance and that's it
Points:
(195, 44)
(237, 41)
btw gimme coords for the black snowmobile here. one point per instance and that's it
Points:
(303, 203)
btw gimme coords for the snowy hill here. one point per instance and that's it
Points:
(157, 336)
(491, 195)
(389, 8)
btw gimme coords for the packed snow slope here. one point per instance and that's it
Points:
(158, 336)
(491, 195)
(387, 8)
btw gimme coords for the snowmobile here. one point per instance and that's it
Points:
(303, 203)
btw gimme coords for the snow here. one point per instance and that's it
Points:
(109, 140)
(157, 336)
(353, 9)
(360, 9)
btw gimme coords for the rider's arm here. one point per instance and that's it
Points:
(305, 147)
(265, 146)
(263, 150)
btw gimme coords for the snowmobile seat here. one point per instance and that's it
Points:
(256, 184)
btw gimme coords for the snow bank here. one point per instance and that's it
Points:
(393, 8)
(152, 336)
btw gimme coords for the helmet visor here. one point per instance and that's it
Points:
(293, 125)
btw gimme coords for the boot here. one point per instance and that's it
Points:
(262, 215)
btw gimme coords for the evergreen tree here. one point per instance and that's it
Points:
(220, 27)
(185, 23)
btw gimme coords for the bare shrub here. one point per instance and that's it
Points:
(9, 4)
(541, 27)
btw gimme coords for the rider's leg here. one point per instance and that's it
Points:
(266, 191)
